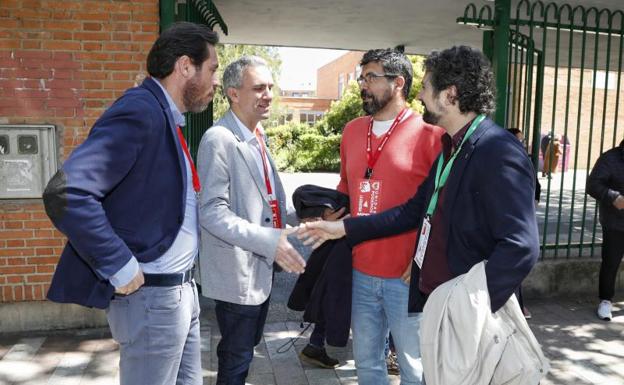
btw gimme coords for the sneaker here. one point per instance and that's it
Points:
(318, 357)
(392, 363)
(526, 313)
(604, 310)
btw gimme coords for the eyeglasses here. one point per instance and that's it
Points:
(371, 76)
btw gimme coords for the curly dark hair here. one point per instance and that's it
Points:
(392, 62)
(469, 71)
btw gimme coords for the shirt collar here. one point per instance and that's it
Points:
(178, 117)
(451, 143)
(248, 135)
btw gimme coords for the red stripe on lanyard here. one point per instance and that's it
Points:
(371, 158)
(196, 184)
(277, 218)
(264, 162)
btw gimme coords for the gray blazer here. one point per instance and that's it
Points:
(238, 241)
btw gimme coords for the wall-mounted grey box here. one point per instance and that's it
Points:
(27, 159)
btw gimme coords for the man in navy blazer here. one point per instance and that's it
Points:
(126, 200)
(483, 208)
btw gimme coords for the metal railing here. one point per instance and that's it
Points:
(564, 73)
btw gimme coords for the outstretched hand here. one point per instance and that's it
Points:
(286, 256)
(315, 233)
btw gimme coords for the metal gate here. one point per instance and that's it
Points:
(558, 76)
(202, 12)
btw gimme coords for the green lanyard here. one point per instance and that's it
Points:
(442, 175)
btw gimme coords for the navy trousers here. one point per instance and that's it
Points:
(241, 328)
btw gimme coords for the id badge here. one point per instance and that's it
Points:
(425, 229)
(369, 193)
(277, 220)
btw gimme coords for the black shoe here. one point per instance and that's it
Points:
(318, 357)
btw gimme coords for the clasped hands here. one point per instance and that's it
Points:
(312, 231)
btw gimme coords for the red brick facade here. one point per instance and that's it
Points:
(328, 77)
(62, 63)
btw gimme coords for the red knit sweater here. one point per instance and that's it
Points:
(402, 166)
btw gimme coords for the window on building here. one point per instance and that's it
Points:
(310, 117)
(341, 81)
(283, 119)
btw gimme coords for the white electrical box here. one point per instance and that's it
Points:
(27, 159)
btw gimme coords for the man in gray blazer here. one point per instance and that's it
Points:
(242, 215)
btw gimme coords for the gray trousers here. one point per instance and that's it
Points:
(157, 329)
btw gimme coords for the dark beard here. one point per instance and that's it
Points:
(191, 96)
(372, 106)
(430, 117)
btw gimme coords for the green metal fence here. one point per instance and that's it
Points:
(202, 12)
(559, 75)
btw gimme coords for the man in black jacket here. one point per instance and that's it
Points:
(606, 184)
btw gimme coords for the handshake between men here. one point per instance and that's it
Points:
(317, 232)
(309, 235)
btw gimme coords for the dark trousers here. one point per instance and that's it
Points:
(241, 328)
(317, 338)
(612, 252)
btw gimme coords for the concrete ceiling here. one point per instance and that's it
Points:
(420, 25)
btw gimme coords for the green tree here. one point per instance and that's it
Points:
(227, 53)
(341, 111)
(419, 72)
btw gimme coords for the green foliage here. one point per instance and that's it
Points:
(299, 147)
(419, 72)
(342, 111)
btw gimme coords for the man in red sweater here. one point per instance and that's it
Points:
(384, 158)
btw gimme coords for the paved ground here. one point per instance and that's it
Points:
(582, 350)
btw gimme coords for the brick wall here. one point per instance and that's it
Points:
(327, 77)
(61, 62)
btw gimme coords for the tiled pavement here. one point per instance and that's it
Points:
(582, 350)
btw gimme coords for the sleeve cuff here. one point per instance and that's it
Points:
(125, 274)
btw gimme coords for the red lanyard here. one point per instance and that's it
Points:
(264, 163)
(371, 158)
(196, 184)
(277, 218)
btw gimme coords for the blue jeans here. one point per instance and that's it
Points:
(241, 328)
(379, 304)
(157, 329)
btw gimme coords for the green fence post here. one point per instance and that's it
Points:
(500, 62)
(167, 13)
(488, 44)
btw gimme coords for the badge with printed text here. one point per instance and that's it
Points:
(277, 220)
(423, 239)
(369, 192)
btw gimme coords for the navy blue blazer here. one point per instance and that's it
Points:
(489, 211)
(120, 193)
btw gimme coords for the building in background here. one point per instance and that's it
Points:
(307, 105)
